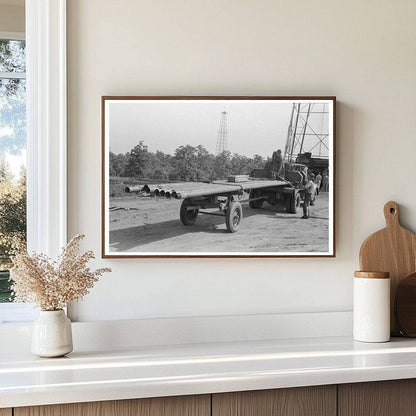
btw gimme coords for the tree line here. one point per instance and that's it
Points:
(188, 163)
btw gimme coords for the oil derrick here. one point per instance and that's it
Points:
(308, 136)
(222, 141)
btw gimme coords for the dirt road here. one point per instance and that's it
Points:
(153, 225)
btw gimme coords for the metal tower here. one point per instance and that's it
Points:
(222, 141)
(307, 132)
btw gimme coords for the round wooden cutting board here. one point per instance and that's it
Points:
(393, 250)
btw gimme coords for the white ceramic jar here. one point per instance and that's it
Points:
(52, 334)
(371, 305)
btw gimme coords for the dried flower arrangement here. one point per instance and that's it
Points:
(53, 285)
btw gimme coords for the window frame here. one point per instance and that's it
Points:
(12, 35)
(46, 137)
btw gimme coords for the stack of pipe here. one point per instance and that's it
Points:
(182, 190)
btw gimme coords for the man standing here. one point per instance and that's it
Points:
(325, 182)
(309, 191)
(318, 180)
(277, 163)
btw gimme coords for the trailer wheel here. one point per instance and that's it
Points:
(292, 203)
(255, 193)
(188, 216)
(233, 216)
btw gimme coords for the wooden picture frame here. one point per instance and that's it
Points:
(166, 160)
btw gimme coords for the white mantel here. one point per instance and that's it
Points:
(179, 356)
(151, 371)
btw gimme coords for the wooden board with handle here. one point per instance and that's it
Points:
(393, 250)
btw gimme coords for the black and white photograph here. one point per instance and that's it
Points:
(218, 176)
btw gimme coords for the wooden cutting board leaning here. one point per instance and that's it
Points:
(393, 250)
(405, 306)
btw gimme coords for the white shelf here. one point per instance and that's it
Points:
(151, 371)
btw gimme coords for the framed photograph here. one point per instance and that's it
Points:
(218, 176)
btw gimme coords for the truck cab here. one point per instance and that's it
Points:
(296, 173)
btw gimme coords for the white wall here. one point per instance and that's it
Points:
(12, 18)
(361, 51)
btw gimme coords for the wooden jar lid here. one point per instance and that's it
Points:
(372, 275)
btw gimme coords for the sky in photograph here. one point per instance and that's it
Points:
(254, 127)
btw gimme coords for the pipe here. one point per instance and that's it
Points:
(151, 187)
(130, 189)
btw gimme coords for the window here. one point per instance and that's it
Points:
(12, 153)
(45, 27)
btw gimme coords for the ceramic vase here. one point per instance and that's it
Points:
(52, 334)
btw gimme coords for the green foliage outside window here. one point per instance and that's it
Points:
(12, 145)
(12, 223)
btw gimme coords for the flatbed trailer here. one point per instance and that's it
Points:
(225, 197)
